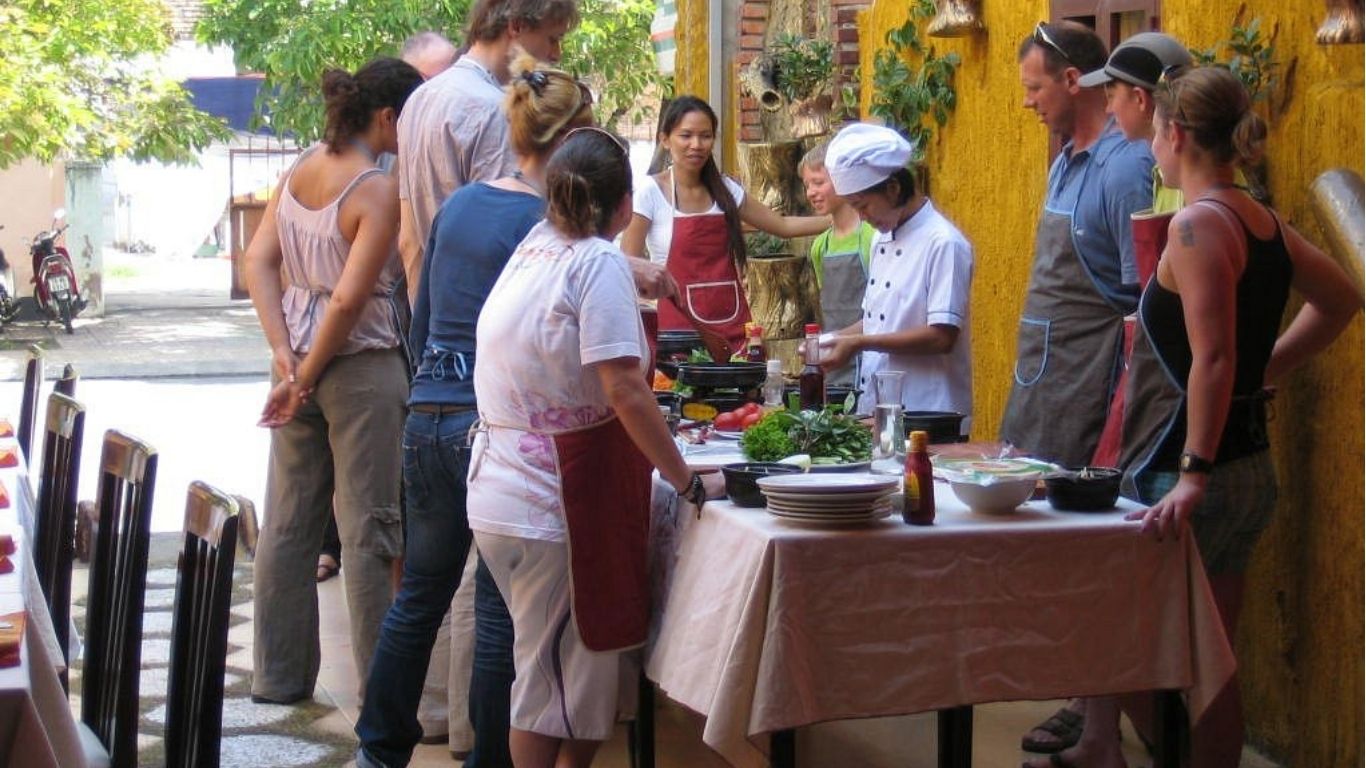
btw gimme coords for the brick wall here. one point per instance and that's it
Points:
(184, 15)
(754, 20)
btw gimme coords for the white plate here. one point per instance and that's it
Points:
(853, 466)
(833, 520)
(859, 511)
(726, 434)
(843, 499)
(830, 483)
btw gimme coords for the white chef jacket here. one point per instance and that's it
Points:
(920, 275)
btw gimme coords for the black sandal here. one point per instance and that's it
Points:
(1064, 724)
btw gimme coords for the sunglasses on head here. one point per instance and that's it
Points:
(1167, 81)
(1042, 37)
(625, 151)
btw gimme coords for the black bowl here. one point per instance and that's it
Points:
(1084, 489)
(722, 375)
(943, 426)
(742, 481)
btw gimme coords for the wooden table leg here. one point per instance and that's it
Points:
(782, 746)
(955, 737)
(1170, 718)
(641, 734)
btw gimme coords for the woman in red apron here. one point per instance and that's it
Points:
(559, 479)
(1209, 340)
(688, 219)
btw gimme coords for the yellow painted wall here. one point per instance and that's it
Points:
(1301, 644)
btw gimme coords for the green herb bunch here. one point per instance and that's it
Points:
(908, 97)
(828, 436)
(802, 66)
(759, 245)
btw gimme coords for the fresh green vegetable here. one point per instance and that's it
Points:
(829, 436)
(767, 440)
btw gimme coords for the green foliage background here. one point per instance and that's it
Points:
(292, 42)
(77, 80)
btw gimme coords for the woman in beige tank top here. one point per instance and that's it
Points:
(321, 269)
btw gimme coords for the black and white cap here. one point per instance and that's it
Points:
(1140, 61)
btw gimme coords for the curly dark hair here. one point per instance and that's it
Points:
(352, 100)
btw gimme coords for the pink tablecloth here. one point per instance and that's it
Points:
(763, 625)
(37, 729)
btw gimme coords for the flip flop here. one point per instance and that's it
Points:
(1064, 724)
(327, 568)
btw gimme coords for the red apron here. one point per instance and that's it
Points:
(605, 490)
(708, 282)
(1150, 239)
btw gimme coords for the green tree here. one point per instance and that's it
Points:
(292, 42)
(77, 79)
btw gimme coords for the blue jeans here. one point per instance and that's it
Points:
(491, 681)
(435, 460)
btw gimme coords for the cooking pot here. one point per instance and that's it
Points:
(943, 426)
(722, 375)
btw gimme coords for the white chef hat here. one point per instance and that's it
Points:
(863, 155)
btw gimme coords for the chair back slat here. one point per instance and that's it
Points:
(55, 526)
(118, 583)
(199, 634)
(28, 408)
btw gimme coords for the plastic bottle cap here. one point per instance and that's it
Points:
(756, 330)
(813, 328)
(775, 366)
(919, 440)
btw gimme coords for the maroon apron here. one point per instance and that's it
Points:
(1150, 239)
(605, 490)
(708, 281)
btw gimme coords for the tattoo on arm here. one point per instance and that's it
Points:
(1187, 234)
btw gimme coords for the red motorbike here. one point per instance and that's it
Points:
(55, 289)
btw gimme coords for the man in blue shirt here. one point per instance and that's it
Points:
(1084, 280)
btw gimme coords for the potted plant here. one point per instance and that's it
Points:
(802, 72)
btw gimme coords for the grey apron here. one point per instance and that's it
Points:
(1154, 402)
(843, 279)
(1068, 354)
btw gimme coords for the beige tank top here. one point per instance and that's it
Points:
(315, 253)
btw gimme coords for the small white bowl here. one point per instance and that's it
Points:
(999, 498)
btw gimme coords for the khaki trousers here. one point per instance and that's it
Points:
(342, 452)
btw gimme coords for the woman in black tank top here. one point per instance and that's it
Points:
(1208, 345)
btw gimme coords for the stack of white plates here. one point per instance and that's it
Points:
(837, 499)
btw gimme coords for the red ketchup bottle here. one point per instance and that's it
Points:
(919, 506)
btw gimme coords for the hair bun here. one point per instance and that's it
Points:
(339, 84)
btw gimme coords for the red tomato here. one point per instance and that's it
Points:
(750, 420)
(750, 408)
(727, 421)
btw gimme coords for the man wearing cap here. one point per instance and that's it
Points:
(1084, 280)
(915, 308)
(1130, 76)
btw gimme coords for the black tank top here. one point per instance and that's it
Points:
(1260, 299)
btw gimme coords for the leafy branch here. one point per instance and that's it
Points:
(914, 99)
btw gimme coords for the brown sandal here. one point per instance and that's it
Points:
(1064, 724)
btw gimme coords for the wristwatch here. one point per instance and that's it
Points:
(1194, 462)
(696, 492)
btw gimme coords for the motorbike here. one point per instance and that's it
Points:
(55, 290)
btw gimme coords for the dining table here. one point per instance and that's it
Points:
(37, 728)
(763, 625)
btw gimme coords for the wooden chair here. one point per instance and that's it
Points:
(28, 408)
(55, 525)
(199, 633)
(118, 583)
(67, 384)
